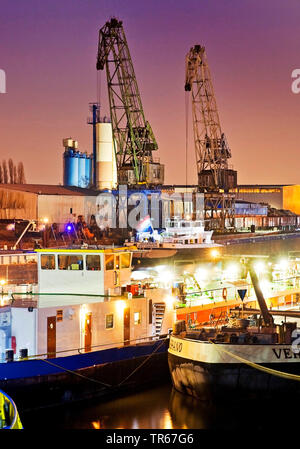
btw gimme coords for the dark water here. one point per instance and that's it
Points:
(164, 408)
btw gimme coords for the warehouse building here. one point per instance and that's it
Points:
(259, 206)
(38, 202)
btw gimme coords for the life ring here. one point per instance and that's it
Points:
(224, 293)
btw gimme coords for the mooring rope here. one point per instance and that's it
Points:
(103, 383)
(257, 366)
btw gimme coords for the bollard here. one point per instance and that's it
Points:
(24, 354)
(9, 355)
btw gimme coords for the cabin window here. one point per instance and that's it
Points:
(137, 317)
(109, 262)
(59, 315)
(93, 263)
(48, 262)
(109, 321)
(70, 262)
(125, 260)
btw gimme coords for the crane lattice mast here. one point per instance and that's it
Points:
(133, 137)
(212, 151)
(211, 148)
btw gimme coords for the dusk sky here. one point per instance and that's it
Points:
(48, 50)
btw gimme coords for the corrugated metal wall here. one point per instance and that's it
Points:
(15, 204)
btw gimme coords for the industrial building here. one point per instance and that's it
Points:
(277, 196)
(57, 204)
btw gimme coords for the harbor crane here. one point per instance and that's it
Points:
(134, 140)
(215, 178)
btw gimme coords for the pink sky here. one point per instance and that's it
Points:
(48, 51)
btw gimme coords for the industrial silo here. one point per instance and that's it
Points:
(70, 167)
(106, 171)
(81, 170)
(88, 171)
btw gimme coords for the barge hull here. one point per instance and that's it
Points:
(207, 381)
(82, 377)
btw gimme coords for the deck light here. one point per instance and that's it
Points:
(214, 253)
(283, 264)
(259, 267)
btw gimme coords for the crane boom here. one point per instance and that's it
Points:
(133, 137)
(212, 150)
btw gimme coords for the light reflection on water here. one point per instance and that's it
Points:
(157, 408)
(164, 408)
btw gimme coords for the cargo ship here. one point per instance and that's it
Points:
(255, 352)
(83, 330)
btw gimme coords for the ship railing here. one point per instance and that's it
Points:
(94, 348)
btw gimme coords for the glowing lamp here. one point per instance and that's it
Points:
(259, 267)
(214, 253)
(283, 264)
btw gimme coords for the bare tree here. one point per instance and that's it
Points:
(21, 174)
(5, 172)
(11, 170)
(15, 178)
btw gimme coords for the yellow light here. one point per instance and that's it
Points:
(283, 264)
(83, 313)
(214, 253)
(165, 276)
(259, 267)
(169, 300)
(120, 306)
(201, 274)
(45, 220)
(96, 425)
(2, 282)
(232, 271)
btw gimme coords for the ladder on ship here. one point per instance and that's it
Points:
(159, 312)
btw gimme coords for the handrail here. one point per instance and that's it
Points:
(115, 344)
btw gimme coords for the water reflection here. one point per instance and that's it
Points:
(165, 408)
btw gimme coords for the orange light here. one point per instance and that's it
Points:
(96, 425)
(214, 253)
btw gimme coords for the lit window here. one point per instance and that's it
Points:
(109, 262)
(93, 263)
(70, 262)
(109, 321)
(59, 315)
(125, 260)
(137, 317)
(48, 262)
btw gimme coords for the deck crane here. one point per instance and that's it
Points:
(215, 178)
(133, 137)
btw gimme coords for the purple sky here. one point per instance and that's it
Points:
(48, 51)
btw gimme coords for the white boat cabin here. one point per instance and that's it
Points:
(83, 271)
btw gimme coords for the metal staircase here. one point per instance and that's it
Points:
(158, 312)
